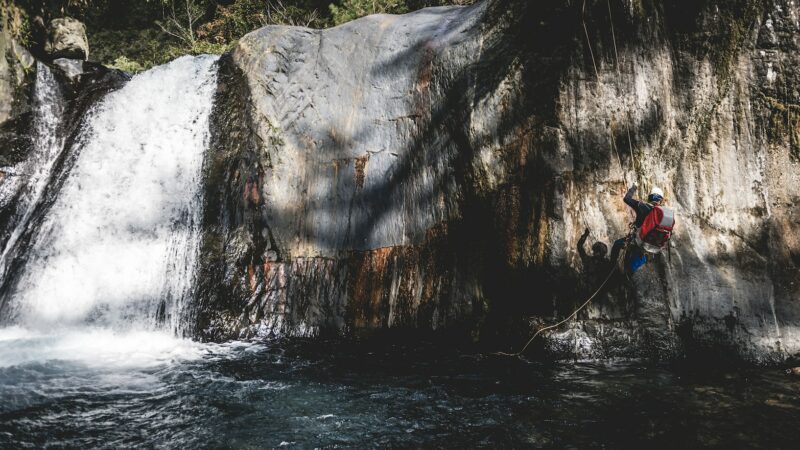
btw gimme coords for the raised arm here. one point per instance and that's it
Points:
(581, 243)
(629, 200)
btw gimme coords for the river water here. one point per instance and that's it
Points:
(100, 389)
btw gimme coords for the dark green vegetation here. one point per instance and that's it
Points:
(135, 35)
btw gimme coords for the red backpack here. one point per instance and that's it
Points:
(656, 229)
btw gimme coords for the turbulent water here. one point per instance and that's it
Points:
(108, 272)
(340, 395)
(117, 248)
(31, 176)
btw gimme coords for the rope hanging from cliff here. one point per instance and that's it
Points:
(616, 151)
(574, 313)
(586, 31)
(619, 74)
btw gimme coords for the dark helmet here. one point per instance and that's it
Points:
(599, 249)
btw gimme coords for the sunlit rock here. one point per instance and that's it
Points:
(67, 39)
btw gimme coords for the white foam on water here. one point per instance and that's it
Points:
(118, 247)
(98, 347)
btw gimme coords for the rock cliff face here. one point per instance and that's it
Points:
(16, 65)
(435, 170)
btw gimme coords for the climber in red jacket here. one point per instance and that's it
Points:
(651, 231)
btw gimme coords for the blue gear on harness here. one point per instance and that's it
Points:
(631, 257)
(635, 258)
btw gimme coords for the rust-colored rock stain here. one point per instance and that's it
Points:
(368, 287)
(360, 167)
(251, 277)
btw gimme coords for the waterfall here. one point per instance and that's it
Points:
(117, 249)
(27, 181)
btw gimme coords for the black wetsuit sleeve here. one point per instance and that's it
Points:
(630, 201)
(642, 209)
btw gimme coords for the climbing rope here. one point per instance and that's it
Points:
(619, 75)
(574, 313)
(586, 31)
(614, 147)
(619, 160)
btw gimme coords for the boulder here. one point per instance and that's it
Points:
(67, 39)
(434, 171)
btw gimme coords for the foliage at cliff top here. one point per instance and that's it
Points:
(136, 35)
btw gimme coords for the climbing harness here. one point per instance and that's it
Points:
(632, 257)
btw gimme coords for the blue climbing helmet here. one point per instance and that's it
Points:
(656, 195)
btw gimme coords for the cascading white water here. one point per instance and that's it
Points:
(30, 177)
(117, 249)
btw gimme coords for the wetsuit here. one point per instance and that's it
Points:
(642, 209)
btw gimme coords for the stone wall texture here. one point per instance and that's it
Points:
(434, 171)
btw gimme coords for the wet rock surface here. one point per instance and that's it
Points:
(16, 67)
(435, 171)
